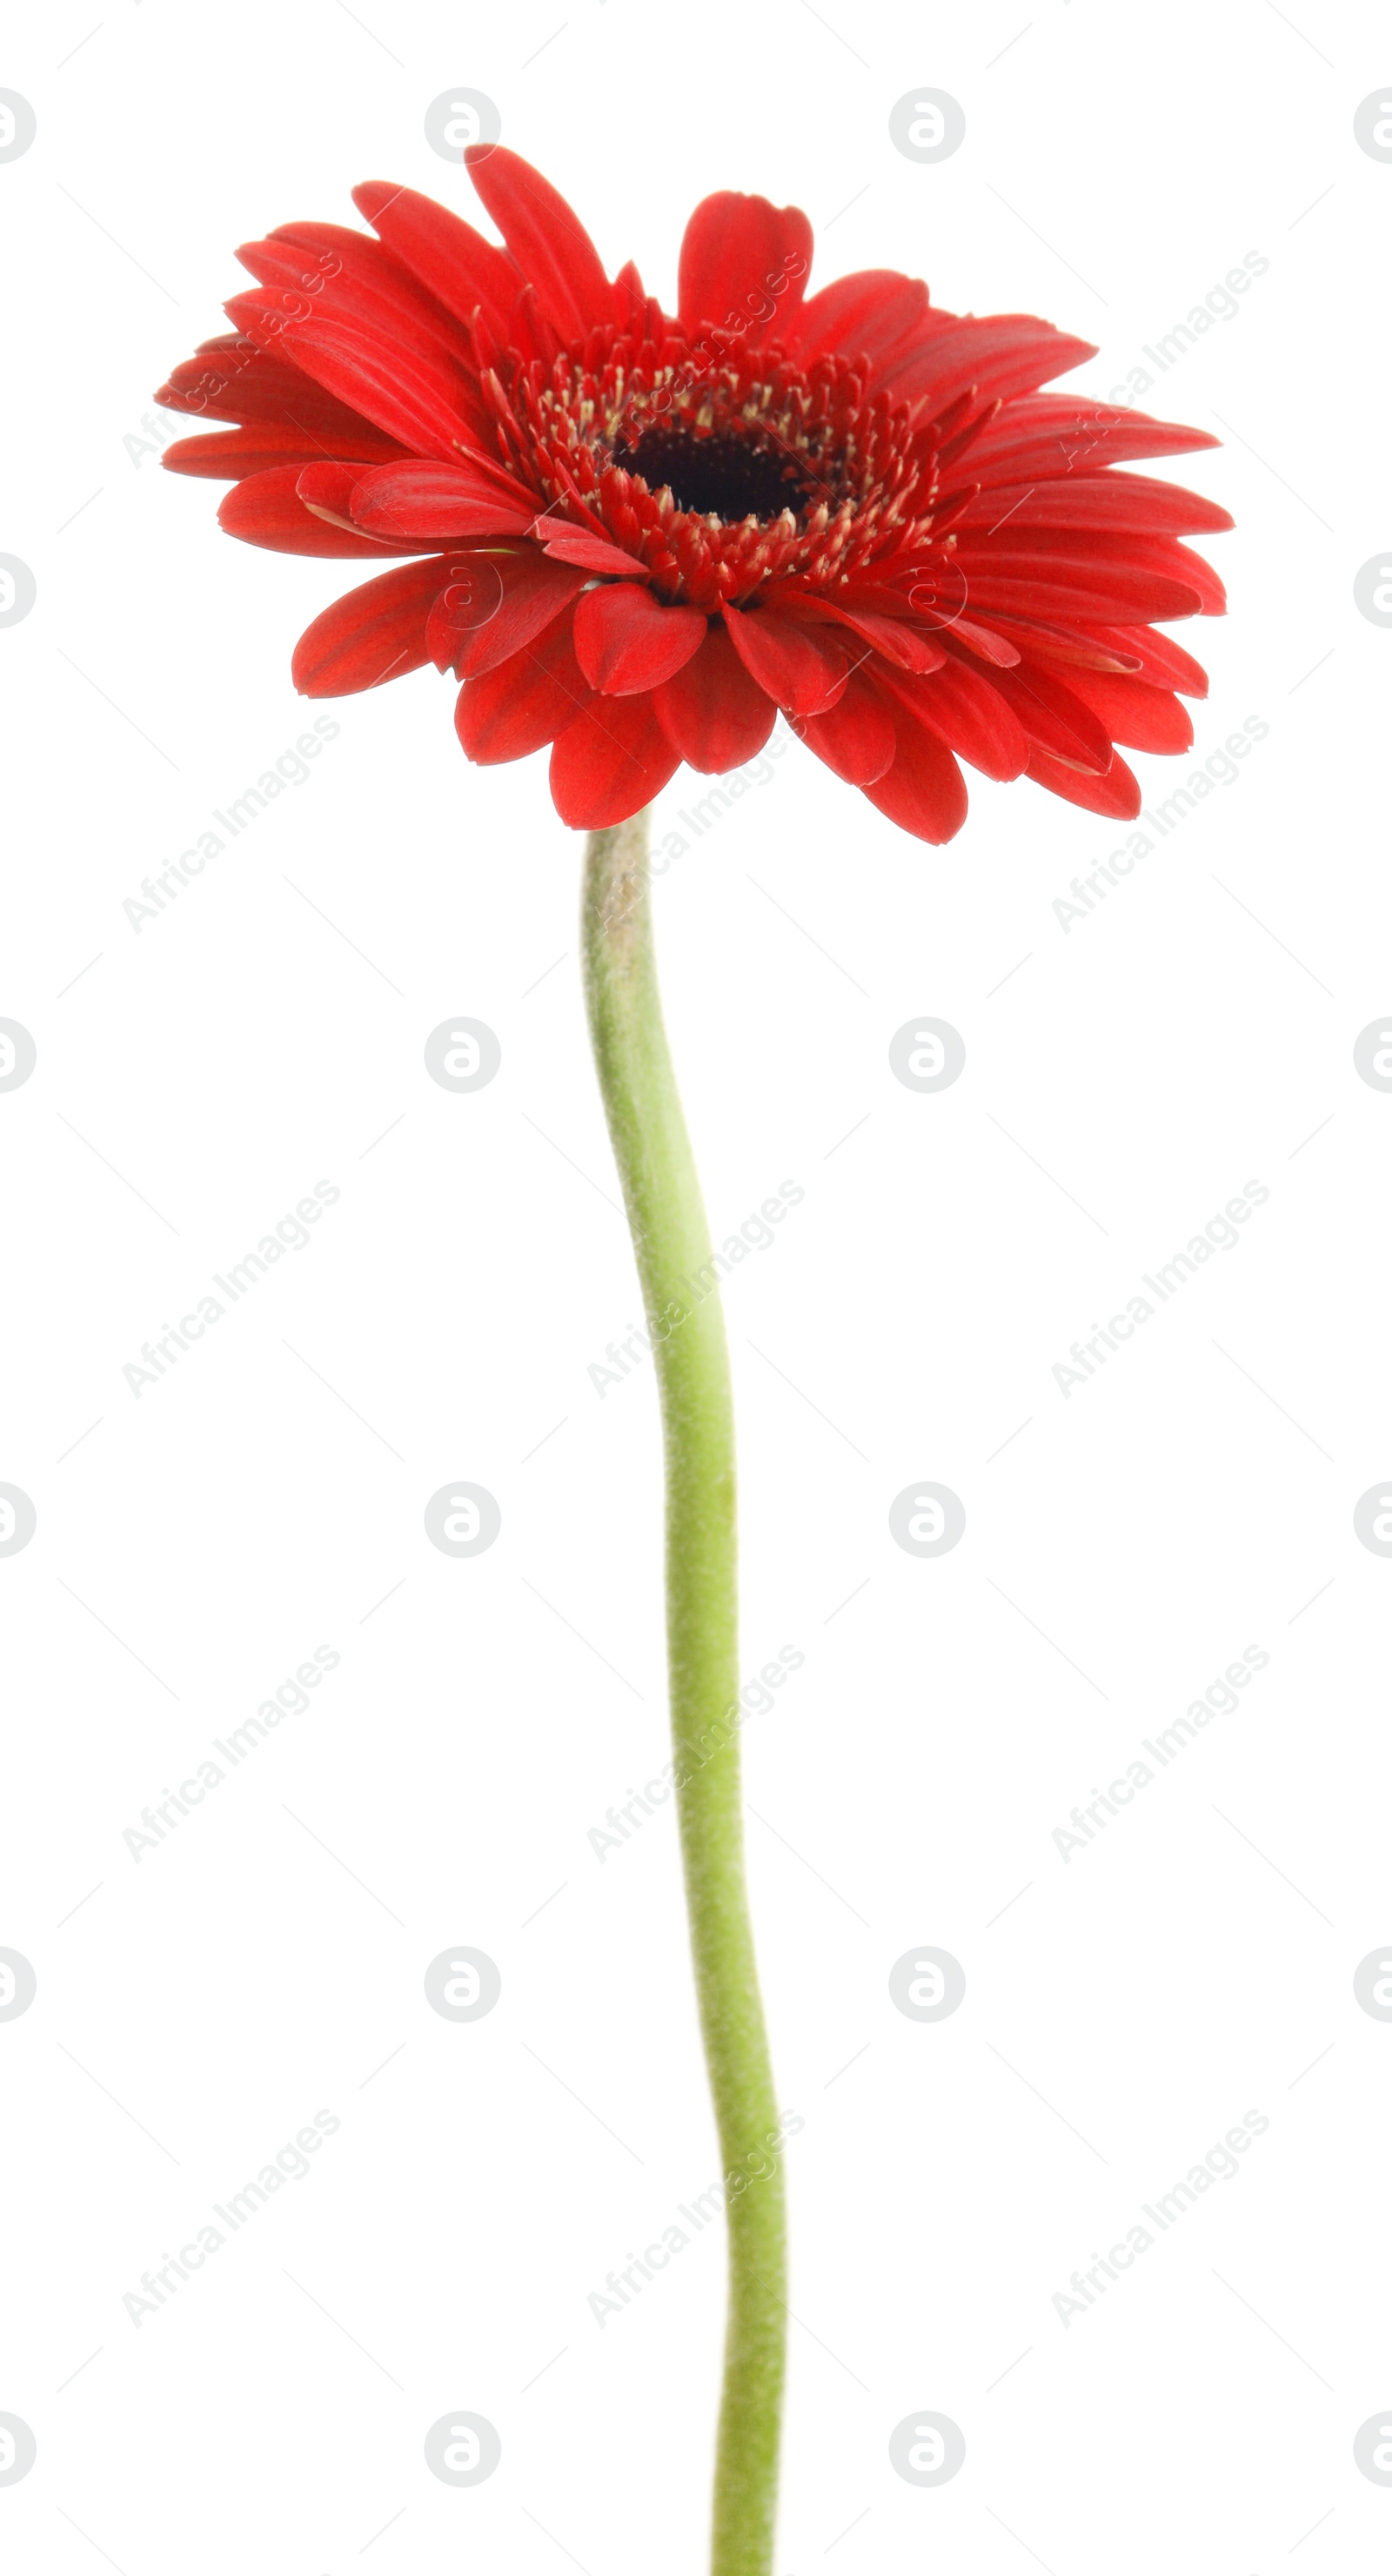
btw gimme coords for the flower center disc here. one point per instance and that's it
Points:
(720, 476)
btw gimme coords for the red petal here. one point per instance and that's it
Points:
(969, 713)
(892, 630)
(1160, 659)
(231, 453)
(1054, 719)
(1145, 719)
(1116, 795)
(626, 640)
(1076, 647)
(530, 332)
(229, 378)
(547, 240)
(613, 759)
(802, 667)
(999, 355)
(423, 404)
(743, 265)
(1094, 501)
(495, 603)
(446, 254)
(1048, 434)
(266, 510)
(349, 277)
(374, 634)
(438, 502)
(593, 554)
(1048, 587)
(985, 643)
(923, 791)
(875, 313)
(1103, 554)
(1163, 555)
(629, 298)
(857, 737)
(327, 491)
(713, 712)
(861, 594)
(523, 703)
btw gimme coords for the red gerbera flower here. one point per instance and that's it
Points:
(636, 535)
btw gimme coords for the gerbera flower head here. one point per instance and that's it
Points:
(637, 536)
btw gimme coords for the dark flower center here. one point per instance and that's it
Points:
(722, 476)
(720, 468)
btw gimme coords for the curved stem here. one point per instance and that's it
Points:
(671, 1242)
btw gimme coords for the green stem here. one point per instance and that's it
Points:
(671, 1241)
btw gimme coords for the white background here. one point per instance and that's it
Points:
(1124, 2008)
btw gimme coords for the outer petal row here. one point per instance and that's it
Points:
(541, 668)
